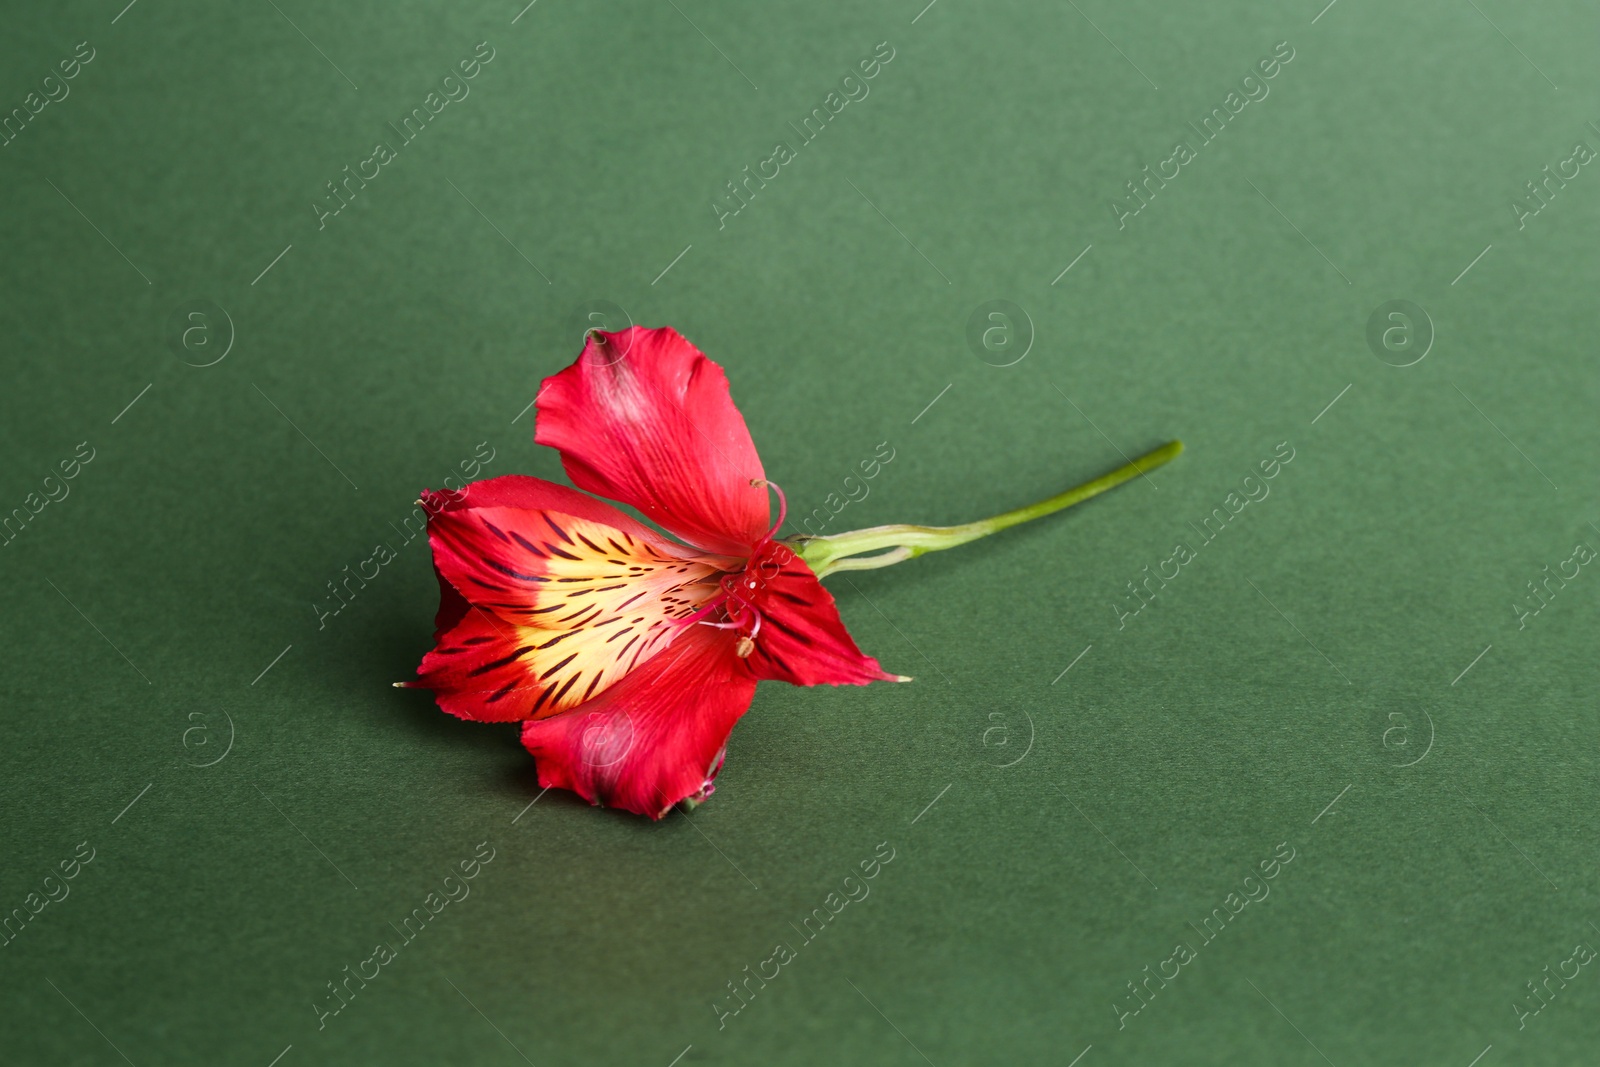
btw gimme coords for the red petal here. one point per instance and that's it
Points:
(802, 639)
(643, 417)
(473, 677)
(453, 607)
(550, 608)
(533, 494)
(655, 737)
(514, 491)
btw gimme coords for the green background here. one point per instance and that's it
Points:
(1083, 820)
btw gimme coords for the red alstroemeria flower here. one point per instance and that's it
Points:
(626, 655)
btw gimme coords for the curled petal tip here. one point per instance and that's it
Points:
(903, 678)
(404, 685)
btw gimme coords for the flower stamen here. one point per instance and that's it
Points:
(783, 509)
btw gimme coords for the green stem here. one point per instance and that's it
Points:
(824, 555)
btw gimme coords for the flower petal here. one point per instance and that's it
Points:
(453, 607)
(645, 418)
(802, 640)
(513, 491)
(471, 674)
(558, 607)
(655, 737)
(533, 494)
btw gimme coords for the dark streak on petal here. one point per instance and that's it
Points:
(495, 665)
(775, 623)
(559, 531)
(503, 569)
(559, 637)
(563, 690)
(558, 666)
(774, 658)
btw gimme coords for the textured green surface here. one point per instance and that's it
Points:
(1308, 653)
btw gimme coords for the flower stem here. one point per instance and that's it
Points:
(824, 555)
